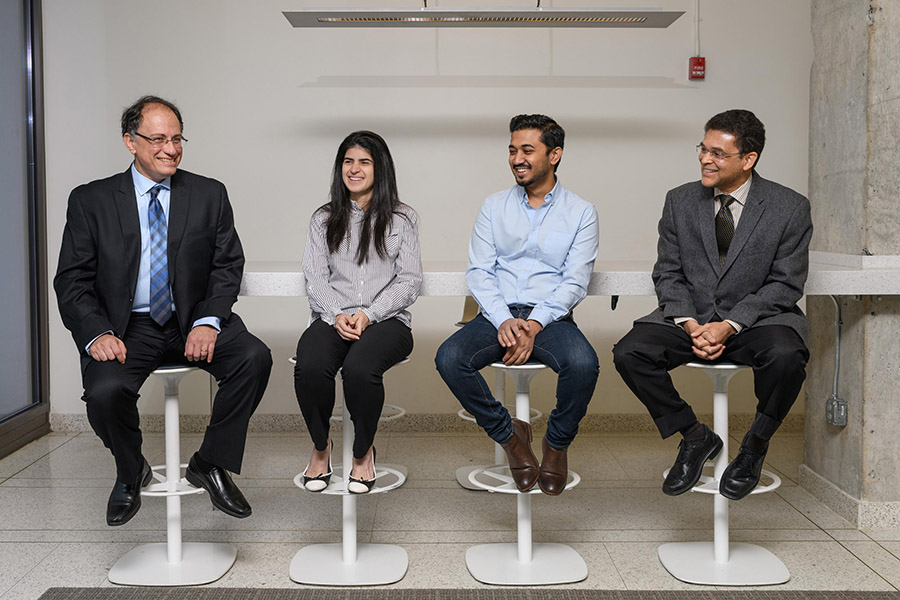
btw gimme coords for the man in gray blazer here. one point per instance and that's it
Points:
(732, 261)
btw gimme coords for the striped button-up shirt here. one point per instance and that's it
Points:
(382, 288)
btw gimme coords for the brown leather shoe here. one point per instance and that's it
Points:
(554, 470)
(523, 464)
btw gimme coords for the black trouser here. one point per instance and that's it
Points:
(241, 365)
(321, 352)
(649, 351)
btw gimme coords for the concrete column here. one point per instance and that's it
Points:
(854, 188)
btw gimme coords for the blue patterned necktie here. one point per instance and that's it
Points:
(160, 298)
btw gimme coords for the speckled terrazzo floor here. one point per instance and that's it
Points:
(53, 533)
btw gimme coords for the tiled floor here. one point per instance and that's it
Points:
(53, 497)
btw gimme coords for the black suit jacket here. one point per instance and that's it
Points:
(765, 268)
(100, 254)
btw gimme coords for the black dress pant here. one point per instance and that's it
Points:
(241, 365)
(321, 352)
(649, 351)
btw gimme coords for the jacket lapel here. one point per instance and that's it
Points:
(706, 217)
(753, 210)
(179, 205)
(130, 224)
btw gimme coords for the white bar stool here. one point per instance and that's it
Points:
(175, 562)
(349, 563)
(718, 562)
(462, 473)
(522, 563)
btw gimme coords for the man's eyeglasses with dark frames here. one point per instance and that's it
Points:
(716, 154)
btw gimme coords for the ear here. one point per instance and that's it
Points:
(129, 143)
(749, 161)
(555, 155)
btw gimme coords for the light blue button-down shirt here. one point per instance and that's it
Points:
(142, 187)
(541, 257)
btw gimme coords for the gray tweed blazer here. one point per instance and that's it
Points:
(764, 271)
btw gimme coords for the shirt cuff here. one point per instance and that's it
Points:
(497, 319)
(91, 343)
(213, 322)
(680, 320)
(541, 316)
(737, 326)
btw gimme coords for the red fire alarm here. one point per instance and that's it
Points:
(697, 68)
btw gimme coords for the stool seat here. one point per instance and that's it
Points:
(173, 369)
(531, 365)
(173, 563)
(722, 365)
(717, 562)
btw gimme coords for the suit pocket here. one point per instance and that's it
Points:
(206, 235)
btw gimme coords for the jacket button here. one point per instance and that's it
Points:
(718, 302)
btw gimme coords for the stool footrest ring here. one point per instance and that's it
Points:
(387, 478)
(710, 485)
(161, 486)
(499, 479)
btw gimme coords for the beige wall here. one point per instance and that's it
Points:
(265, 107)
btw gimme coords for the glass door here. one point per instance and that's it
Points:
(23, 393)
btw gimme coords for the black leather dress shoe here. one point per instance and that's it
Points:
(125, 498)
(689, 464)
(222, 491)
(742, 475)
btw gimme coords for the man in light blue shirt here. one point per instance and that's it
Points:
(531, 256)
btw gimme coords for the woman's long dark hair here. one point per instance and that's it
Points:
(382, 207)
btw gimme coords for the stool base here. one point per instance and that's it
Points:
(148, 565)
(498, 564)
(323, 564)
(694, 562)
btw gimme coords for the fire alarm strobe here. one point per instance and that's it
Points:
(697, 68)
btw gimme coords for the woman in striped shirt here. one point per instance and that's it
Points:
(363, 270)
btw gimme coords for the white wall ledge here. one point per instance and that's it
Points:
(829, 274)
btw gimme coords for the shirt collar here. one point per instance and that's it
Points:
(143, 185)
(740, 194)
(548, 199)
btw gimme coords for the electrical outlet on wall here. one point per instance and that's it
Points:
(836, 412)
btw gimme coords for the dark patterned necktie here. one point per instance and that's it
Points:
(160, 298)
(724, 227)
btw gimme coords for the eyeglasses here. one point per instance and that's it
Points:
(716, 155)
(160, 141)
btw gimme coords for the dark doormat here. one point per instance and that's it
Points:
(489, 594)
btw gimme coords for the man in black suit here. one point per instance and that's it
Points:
(733, 256)
(149, 268)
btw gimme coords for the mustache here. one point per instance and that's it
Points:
(522, 164)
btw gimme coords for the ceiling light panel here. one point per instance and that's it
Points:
(487, 17)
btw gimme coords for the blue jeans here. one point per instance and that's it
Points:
(560, 346)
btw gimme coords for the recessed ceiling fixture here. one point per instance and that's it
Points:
(481, 17)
